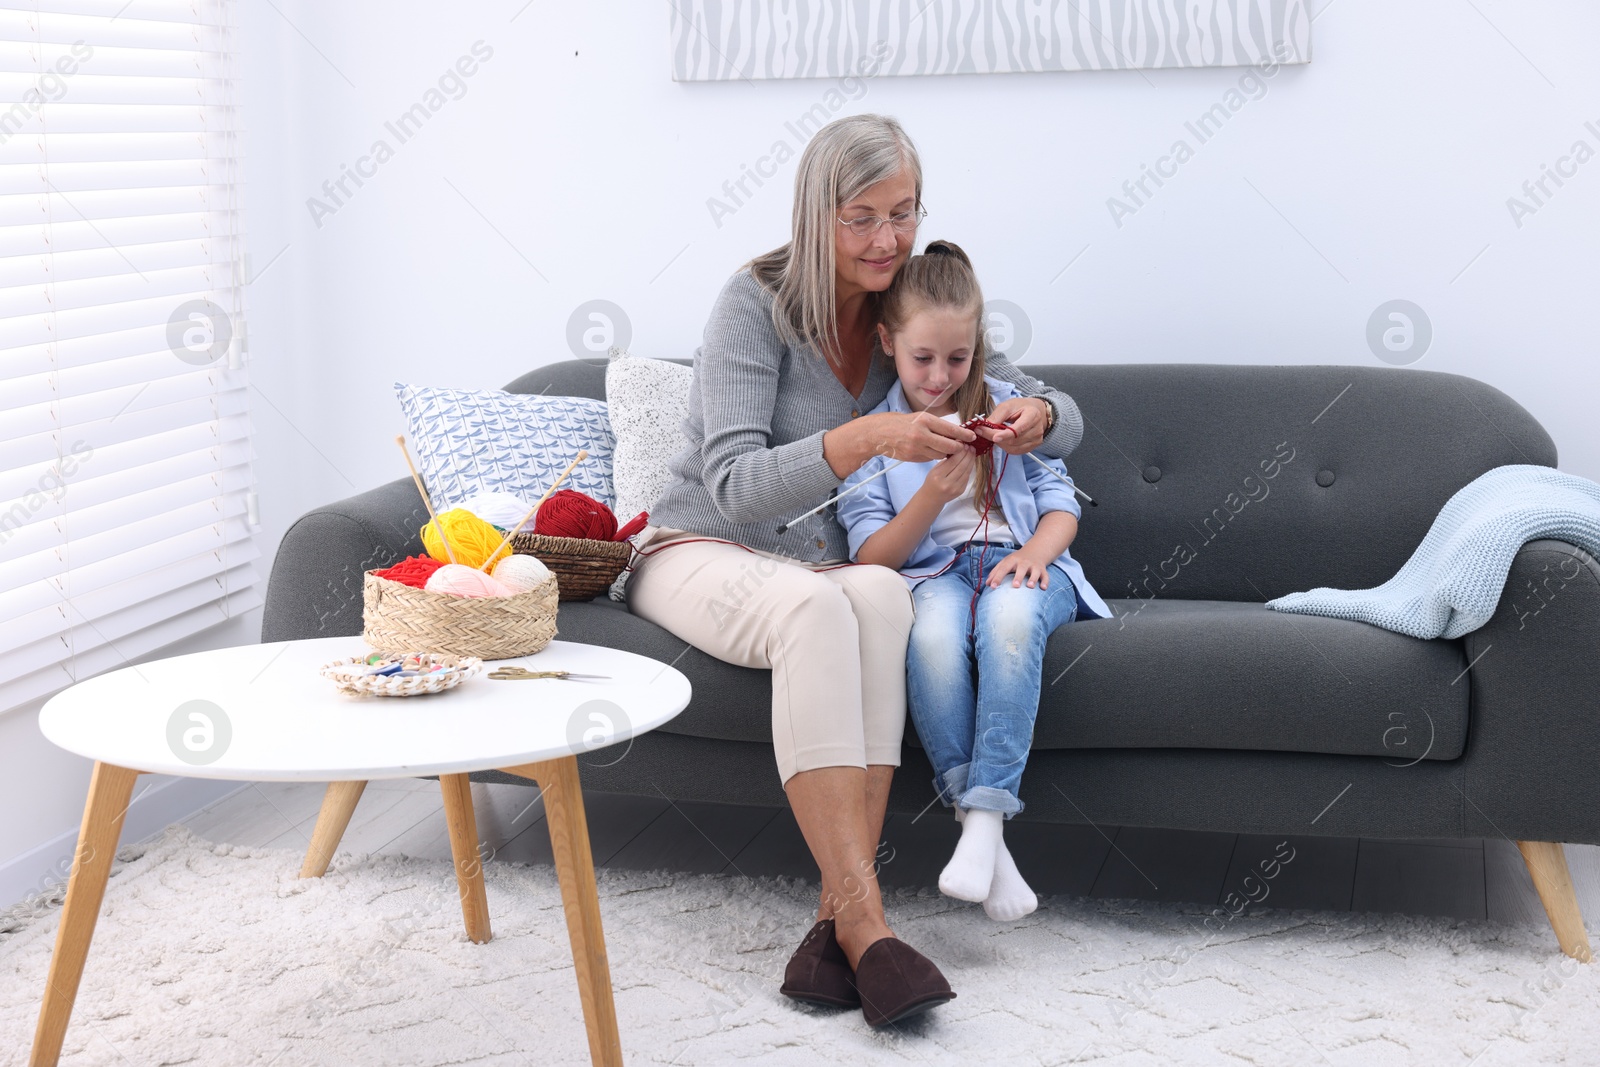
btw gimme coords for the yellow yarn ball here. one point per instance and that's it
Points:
(471, 537)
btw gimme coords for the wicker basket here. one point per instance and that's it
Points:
(584, 568)
(402, 618)
(352, 676)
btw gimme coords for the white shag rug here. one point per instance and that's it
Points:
(217, 955)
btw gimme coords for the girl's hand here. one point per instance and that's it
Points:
(950, 477)
(918, 437)
(1026, 415)
(1026, 566)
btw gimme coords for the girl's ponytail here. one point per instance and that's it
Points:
(947, 248)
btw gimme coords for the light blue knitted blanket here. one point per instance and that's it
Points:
(1452, 582)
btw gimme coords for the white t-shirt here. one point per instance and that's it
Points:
(957, 523)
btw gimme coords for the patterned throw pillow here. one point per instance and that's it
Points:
(473, 440)
(649, 399)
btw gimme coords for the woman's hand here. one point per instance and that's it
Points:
(1027, 566)
(950, 477)
(1027, 416)
(918, 437)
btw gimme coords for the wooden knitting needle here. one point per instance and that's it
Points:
(400, 439)
(579, 458)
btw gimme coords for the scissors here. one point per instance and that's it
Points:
(519, 673)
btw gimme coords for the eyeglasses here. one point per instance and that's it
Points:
(905, 222)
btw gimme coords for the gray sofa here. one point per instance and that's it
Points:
(1219, 487)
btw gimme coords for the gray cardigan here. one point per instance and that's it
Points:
(757, 412)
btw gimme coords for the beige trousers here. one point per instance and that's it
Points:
(835, 640)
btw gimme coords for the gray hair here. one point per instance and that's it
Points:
(844, 159)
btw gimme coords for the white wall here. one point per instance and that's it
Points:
(1379, 171)
(1390, 158)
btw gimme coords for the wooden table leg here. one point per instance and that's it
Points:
(338, 804)
(569, 840)
(463, 825)
(1547, 866)
(110, 789)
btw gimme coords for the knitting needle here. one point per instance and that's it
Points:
(579, 458)
(784, 528)
(1093, 503)
(400, 439)
(835, 499)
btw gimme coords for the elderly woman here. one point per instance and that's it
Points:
(786, 369)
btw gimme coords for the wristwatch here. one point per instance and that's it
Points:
(1049, 415)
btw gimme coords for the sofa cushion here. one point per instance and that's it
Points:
(1221, 674)
(1163, 674)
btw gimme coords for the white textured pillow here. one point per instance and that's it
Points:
(648, 399)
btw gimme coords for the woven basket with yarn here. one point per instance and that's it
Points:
(402, 618)
(583, 568)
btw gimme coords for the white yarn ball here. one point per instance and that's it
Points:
(499, 509)
(521, 572)
(462, 580)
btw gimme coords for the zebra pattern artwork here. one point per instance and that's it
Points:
(723, 40)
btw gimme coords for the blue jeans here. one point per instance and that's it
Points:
(977, 736)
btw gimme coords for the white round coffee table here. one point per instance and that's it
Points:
(263, 713)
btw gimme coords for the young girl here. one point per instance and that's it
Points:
(982, 539)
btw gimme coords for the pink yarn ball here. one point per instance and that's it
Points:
(461, 580)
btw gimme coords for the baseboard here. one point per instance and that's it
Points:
(156, 805)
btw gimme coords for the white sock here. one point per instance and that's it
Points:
(1009, 897)
(970, 872)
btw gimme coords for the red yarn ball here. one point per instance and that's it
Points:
(569, 513)
(413, 571)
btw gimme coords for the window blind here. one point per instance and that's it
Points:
(126, 501)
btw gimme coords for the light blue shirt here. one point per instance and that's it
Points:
(1026, 493)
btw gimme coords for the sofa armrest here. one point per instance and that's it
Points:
(1533, 737)
(315, 586)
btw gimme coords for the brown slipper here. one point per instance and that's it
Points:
(895, 981)
(819, 973)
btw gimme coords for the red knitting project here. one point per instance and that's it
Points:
(983, 444)
(413, 571)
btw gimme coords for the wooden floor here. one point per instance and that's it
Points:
(1467, 879)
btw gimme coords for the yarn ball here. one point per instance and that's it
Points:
(462, 580)
(499, 509)
(521, 573)
(413, 571)
(471, 537)
(569, 513)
